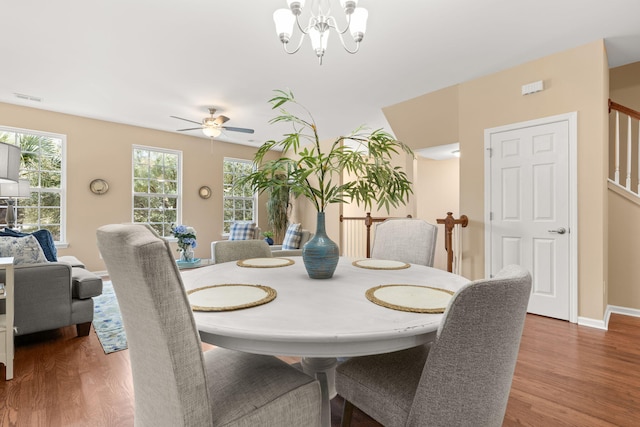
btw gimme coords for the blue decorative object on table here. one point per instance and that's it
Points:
(320, 254)
(186, 241)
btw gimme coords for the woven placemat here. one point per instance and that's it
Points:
(228, 297)
(380, 264)
(265, 262)
(413, 298)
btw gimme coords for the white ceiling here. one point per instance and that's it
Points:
(140, 61)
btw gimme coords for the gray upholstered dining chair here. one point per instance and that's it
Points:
(463, 378)
(233, 250)
(175, 382)
(405, 239)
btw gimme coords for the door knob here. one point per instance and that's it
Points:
(560, 230)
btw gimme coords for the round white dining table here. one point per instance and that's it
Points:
(318, 320)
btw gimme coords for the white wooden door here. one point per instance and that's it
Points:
(529, 210)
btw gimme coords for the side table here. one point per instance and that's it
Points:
(6, 320)
(202, 262)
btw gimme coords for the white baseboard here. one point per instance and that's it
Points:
(592, 323)
(626, 311)
(604, 324)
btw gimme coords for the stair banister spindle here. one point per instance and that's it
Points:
(628, 182)
(616, 176)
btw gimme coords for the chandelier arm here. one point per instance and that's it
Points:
(310, 25)
(344, 45)
(331, 21)
(291, 52)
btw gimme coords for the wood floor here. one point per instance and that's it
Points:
(567, 375)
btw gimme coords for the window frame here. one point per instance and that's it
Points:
(179, 180)
(254, 196)
(62, 191)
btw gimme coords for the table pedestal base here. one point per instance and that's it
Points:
(324, 370)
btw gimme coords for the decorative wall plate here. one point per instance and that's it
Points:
(99, 186)
(204, 192)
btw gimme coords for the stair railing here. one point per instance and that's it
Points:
(631, 116)
(453, 240)
(354, 236)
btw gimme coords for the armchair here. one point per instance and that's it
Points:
(277, 251)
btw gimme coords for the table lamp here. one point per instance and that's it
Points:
(9, 162)
(12, 191)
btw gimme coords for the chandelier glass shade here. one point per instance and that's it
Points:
(319, 24)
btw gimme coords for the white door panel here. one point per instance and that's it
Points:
(529, 200)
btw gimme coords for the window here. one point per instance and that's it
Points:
(156, 188)
(43, 164)
(239, 203)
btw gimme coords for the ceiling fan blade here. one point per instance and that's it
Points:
(186, 120)
(221, 119)
(243, 130)
(181, 130)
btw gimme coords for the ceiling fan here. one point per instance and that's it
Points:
(213, 126)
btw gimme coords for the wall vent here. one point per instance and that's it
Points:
(28, 97)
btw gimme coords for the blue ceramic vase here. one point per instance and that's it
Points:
(320, 254)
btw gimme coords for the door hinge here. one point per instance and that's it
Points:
(490, 150)
(490, 216)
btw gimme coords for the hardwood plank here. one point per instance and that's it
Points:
(566, 375)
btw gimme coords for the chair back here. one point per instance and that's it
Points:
(405, 239)
(233, 250)
(164, 346)
(468, 373)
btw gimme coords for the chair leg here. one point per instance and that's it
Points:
(347, 412)
(83, 329)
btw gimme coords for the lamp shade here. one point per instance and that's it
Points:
(359, 21)
(284, 21)
(9, 162)
(211, 132)
(20, 189)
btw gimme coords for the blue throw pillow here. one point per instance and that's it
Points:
(292, 237)
(43, 237)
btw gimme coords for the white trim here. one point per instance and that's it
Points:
(592, 323)
(615, 309)
(572, 119)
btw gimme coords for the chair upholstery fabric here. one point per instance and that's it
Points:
(405, 239)
(175, 383)
(233, 250)
(464, 378)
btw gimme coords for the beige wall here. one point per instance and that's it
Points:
(437, 192)
(99, 149)
(575, 80)
(624, 227)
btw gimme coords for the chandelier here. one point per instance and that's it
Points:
(320, 22)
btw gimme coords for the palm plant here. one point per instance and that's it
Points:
(316, 174)
(278, 211)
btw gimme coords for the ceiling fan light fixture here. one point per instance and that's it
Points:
(211, 132)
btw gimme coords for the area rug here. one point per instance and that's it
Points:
(107, 321)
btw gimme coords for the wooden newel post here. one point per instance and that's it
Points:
(368, 222)
(449, 223)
